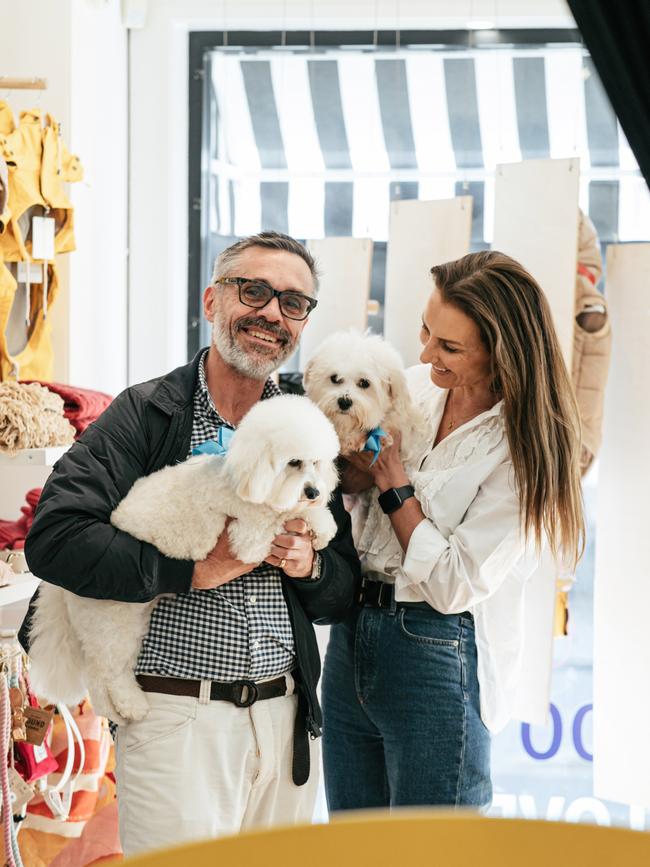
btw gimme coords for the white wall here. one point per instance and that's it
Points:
(79, 46)
(159, 122)
(99, 133)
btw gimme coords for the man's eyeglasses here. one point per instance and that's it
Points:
(257, 293)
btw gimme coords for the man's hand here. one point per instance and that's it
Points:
(220, 566)
(292, 551)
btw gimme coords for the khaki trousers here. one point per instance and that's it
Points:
(192, 770)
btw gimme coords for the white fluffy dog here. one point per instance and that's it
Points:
(280, 465)
(358, 381)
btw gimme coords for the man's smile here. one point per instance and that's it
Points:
(261, 335)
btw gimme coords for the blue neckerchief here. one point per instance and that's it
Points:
(373, 443)
(218, 446)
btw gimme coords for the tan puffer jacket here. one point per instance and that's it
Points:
(592, 342)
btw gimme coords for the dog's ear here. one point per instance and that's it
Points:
(399, 394)
(251, 470)
(255, 480)
(307, 374)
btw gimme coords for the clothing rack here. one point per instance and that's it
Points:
(9, 83)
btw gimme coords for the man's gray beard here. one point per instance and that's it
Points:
(252, 366)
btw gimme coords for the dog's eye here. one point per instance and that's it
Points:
(336, 379)
(363, 383)
(295, 463)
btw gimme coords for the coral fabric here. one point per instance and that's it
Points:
(82, 405)
(99, 841)
(12, 533)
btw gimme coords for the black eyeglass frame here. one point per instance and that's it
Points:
(240, 281)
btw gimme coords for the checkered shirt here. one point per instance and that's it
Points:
(239, 630)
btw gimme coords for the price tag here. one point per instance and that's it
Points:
(37, 721)
(43, 238)
(21, 792)
(29, 272)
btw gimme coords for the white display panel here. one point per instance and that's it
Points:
(534, 691)
(345, 266)
(422, 234)
(622, 585)
(536, 222)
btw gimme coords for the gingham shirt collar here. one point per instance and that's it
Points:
(204, 398)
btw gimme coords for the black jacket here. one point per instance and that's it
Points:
(73, 544)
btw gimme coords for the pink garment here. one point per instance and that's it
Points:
(99, 841)
(13, 533)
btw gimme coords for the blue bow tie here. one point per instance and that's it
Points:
(218, 446)
(373, 443)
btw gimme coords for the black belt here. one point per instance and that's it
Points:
(243, 693)
(376, 594)
(380, 594)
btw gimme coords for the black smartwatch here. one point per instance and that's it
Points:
(393, 498)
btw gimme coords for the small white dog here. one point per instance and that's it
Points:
(358, 381)
(280, 465)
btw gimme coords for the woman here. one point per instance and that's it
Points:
(416, 678)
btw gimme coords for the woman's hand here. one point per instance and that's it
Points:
(388, 470)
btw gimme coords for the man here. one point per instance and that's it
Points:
(230, 662)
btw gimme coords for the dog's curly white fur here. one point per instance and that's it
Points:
(358, 380)
(280, 465)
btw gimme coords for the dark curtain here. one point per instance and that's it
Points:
(617, 36)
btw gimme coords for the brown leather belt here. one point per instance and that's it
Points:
(242, 693)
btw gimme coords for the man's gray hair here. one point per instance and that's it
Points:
(226, 260)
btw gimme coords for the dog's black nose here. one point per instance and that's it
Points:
(311, 493)
(344, 403)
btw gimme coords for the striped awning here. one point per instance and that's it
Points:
(317, 144)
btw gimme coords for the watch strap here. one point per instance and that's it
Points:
(393, 498)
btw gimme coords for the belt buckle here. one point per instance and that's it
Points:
(383, 585)
(248, 695)
(361, 597)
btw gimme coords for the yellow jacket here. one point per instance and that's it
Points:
(23, 151)
(38, 165)
(34, 360)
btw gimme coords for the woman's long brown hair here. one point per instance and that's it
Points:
(529, 373)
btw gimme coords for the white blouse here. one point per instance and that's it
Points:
(469, 554)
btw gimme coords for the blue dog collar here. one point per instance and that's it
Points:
(373, 443)
(218, 446)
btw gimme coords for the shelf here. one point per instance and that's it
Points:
(33, 457)
(22, 587)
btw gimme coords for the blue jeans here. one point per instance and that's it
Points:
(400, 700)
